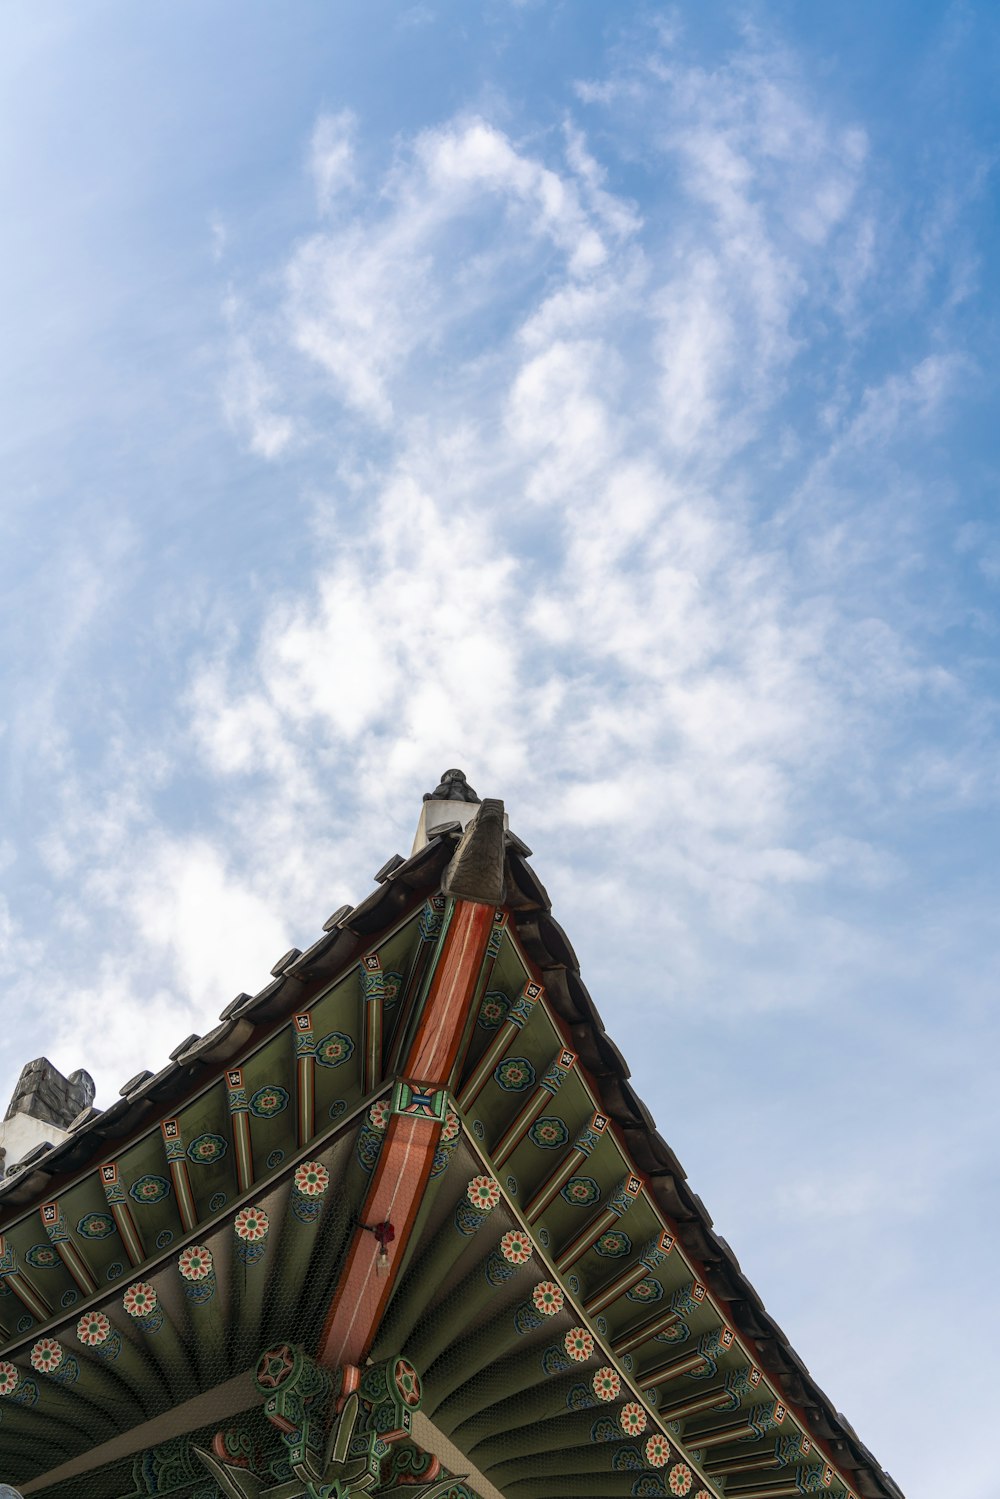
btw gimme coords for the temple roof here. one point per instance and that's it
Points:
(460, 862)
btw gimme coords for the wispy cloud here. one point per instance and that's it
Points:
(567, 538)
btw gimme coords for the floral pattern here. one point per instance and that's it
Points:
(378, 1114)
(657, 1450)
(334, 1049)
(451, 1128)
(41, 1256)
(515, 1074)
(579, 1344)
(581, 1191)
(607, 1383)
(680, 1478)
(632, 1418)
(140, 1300)
(311, 1179)
(392, 984)
(195, 1262)
(252, 1225)
(9, 1376)
(96, 1226)
(484, 1193)
(46, 1356)
(93, 1329)
(149, 1189)
(207, 1149)
(678, 1332)
(646, 1290)
(515, 1246)
(549, 1132)
(268, 1101)
(547, 1298)
(493, 1010)
(614, 1244)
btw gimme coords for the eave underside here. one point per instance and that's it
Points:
(683, 1333)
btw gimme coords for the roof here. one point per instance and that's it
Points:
(392, 914)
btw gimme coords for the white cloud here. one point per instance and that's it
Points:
(550, 569)
(331, 157)
(248, 397)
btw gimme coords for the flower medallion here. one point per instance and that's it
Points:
(207, 1149)
(140, 1300)
(46, 1356)
(195, 1262)
(614, 1244)
(484, 1193)
(607, 1383)
(579, 1344)
(633, 1419)
(334, 1049)
(515, 1246)
(149, 1189)
(581, 1191)
(548, 1298)
(252, 1225)
(515, 1074)
(311, 1179)
(41, 1257)
(549, 1132)
(646, 1290)
(680, 1479)
(93, 1329)
(493, 1010)
(96, 1226)
(268, 1101)
(657, 1450)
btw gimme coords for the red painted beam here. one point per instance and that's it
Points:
(407, 1153)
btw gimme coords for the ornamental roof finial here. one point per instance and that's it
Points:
(453, 788)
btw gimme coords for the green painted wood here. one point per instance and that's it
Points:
(476, 1290)
(52, 1406)
(93, 1386)
(205, 1333)
(253, 1255)
(597, 1485)
(429, 1270)
(586, 1458)
(98, 1339)
(544, 1402)
(307, 1202)
(485, 1345)
(522, 1370)
(160, 1339)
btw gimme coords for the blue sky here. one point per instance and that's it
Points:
(603, 399)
